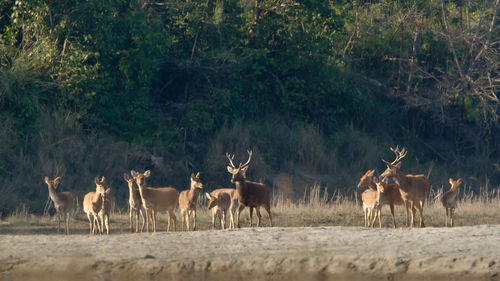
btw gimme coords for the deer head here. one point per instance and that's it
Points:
(195, 181)
(212, 200)
(394, 166)
(99, 185)
(52, 183)
(130, 181)
(238, 173)
(380, 190)
(454, 184)
(140, 178)
(366, 179)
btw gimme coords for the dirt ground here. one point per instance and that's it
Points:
(295, 253)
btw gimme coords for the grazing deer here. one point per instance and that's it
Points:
(250, 193)
(219, 203)
(450, 199)
(104, 212)
(388, 194)
(155, 200)
(413, 188)
(92, 205)
(63, 202)
(187, 201)
(134, 204)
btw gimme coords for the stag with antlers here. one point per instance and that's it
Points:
(251, 194)
(413, 187)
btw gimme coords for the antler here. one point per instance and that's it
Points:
(249, 158)
(400, 154)
(230, 158)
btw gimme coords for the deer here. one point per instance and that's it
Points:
(134, 204)
(450, 199)
(104, 212)
(63, 202)
(250, 194)
(159, 199)
(388, 194)
(92, 205)
(368, 196)
(187, 201)
(219, 202)
(413, 188)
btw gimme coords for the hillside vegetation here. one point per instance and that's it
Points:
(319, 90)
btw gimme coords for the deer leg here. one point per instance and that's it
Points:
(421, 210)
(268, 210)
(240, 208)
(58, 221)
(373, 216)
(194, 217)
(413, 213)
(407, 205)
(153, 218)
(251, 214)
(392, 214)
(223, 220)
(90, 223)
(231, 218)
(452, 214)
(257, 211)
(142, 211)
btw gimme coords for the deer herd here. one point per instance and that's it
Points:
(145, 202)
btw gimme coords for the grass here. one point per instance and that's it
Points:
(316, 208)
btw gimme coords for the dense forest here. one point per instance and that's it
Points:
(319, 90)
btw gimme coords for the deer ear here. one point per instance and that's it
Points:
(450, 181)
(147, 173)
(244, 170)
(47, 180)
(96, 180)
(459, 181)
(57, 179)
(198, 175)
(398, 165)
(208, 195)
(192, 176)
(133, 173)
(370, 172)
(108, 190)
(103, 179)
(126, 177)
(230, 169)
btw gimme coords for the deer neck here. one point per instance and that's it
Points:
(53, 193)
(97, 199)
(241, 186)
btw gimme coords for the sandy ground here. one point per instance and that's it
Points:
(318, 253)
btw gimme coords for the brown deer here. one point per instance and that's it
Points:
(368, 196)
(250, 194)
(450, 199)
(92, 204)
(219, 203)
(105, 210)
(160, 199)
(388, 194)
(135, 204)
(188, 200)
(413, 188)
(63, 202)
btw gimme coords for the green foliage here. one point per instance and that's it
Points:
(315, 87)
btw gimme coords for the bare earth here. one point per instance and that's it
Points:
(318, 253)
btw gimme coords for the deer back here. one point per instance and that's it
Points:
(252, 194)
(159, 199)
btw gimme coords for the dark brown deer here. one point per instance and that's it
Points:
(250, 194)
(413, 187)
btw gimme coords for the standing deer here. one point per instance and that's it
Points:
(63, 202)
(92, 205)
(188, 199)
(155, 200)
(250, 193)
(450, 199)
(134, 204)
(368, 196)
(104, 212)
(220, 202)
(389, 194)
(413, 188)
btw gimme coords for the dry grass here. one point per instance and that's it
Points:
(315, 208)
